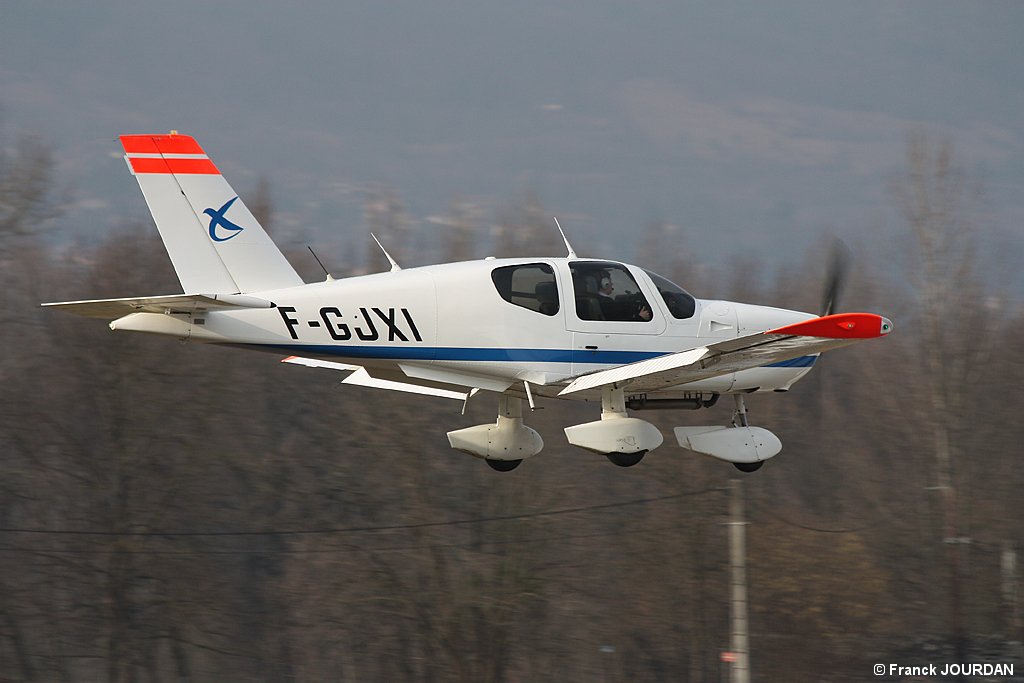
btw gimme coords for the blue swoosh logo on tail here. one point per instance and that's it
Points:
(217, 219)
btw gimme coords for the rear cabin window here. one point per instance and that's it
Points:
(679, 302)
(531, 285)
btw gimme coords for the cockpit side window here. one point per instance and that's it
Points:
(607, 291)
(531, 285)
(680, 303)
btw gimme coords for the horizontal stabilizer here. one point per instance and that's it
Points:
(109, 309)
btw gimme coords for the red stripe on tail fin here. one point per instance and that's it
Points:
(172, 165)
(161, 144)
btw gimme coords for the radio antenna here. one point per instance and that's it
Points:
(572, 253)
(329, 278)
(394, 266)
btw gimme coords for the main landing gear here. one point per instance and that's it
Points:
(504, 444)
(622, 439)
(502, 465)
(625, 459)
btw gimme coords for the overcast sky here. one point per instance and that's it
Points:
(748, 124)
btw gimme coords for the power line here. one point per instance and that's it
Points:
(352, 529)
(805, 527)
(348, 548)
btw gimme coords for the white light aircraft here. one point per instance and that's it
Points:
(525, 329)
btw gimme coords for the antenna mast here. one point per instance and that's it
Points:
(394, 265)
(572, 253)
(329, 278)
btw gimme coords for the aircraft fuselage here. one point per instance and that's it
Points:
(440, 322)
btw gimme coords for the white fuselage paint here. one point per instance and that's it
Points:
(446, 322)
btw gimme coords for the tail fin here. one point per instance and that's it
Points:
(215, 243)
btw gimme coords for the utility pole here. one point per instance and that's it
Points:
(954, 551)
(1008, 564)
(739, 642)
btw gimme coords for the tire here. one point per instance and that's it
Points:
(625, 459)
(502, 465)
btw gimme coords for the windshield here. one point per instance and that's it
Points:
(680, 303)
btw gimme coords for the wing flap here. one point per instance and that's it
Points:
(360, 377)
(170, 303)
(462, 379)
(806, 338)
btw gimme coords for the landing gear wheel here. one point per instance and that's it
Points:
(748, 466)
(626, 459)
(502, 465)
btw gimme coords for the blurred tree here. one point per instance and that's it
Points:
(26, 187)
(201, 514)
(385, 215)
(26, 202)
(954, 338)
(459, 231)
(525, 228)
(663, 248)
(261, 204)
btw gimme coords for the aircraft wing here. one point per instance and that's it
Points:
(732, 355)
(171, 303)
(360, 377)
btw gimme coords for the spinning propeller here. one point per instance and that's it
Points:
(835, 278)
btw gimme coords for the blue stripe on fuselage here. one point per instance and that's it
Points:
(801, 362)
(466, 354)
(494, 355)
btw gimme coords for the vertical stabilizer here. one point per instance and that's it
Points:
(214, 242)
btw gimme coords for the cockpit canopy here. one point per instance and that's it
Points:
(602, 291)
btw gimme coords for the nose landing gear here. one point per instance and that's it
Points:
(744, 446)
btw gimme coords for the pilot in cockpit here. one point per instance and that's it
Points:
(621, 308)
